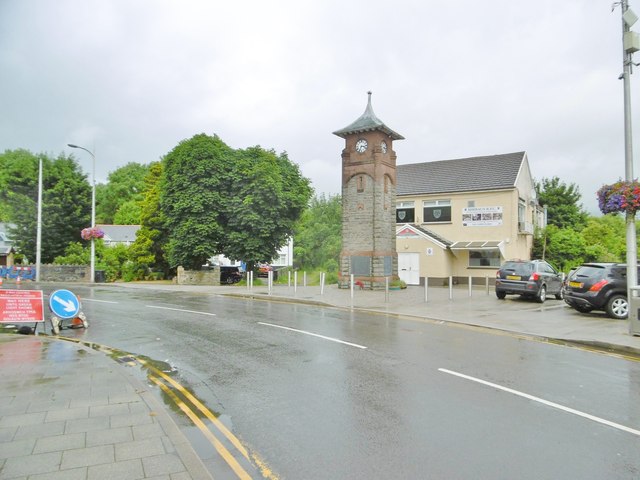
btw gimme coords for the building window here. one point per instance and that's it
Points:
(484, 258)
(471, 203)
(522, 208)
(437, 211)
(360, 183)
(405, 212)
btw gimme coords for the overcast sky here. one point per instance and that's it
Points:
(130, 79)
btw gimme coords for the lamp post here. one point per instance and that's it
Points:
(630, 44)
(93, 210)
(39, 222)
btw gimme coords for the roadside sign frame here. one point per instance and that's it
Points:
(58, 304)
(15, 304)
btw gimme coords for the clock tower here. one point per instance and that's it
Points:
(368, 202)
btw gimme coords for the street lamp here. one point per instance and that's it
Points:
(630, 45)
(39, 222)
(93, 210)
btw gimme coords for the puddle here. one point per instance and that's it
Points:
(148, 367)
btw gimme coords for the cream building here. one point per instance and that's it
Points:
(463, 218)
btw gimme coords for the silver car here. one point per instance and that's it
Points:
(530, 278)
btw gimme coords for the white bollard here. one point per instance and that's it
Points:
(426, 289)
(322, 274)
(486, 281)
(304, 279)
(386, 289)
(470, 285)
(351, 286)
(450, 287)
(295, 281)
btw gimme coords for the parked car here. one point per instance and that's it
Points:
(530, 278)
(566, 280)
(599, 286)
(264, 269)
(230, 275)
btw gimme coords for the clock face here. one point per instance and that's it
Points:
(383, 146)
(361, 145)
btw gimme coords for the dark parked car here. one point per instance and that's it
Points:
(230, 275)
(599, 286)
(530, 278)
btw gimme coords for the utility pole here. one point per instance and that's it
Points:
(630, 44)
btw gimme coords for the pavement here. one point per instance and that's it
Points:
(68, 411)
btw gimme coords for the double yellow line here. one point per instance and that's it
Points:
(169, 386)
(159, 378)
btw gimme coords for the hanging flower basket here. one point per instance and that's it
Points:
(89, 233)
(620, 197)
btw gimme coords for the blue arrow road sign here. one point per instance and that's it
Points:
(64, 304)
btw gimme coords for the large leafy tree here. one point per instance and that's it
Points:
(267, 195)
(124, 186)
(66, 201)
(196, 182)
(318, 235)
(241, 203)
(562, 201)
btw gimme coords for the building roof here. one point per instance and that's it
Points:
(412, 228)
(367, 123)
(493, 172)
(119, 233)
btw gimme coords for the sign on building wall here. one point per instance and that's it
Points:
(481, 216)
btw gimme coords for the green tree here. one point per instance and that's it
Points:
(564, 248)
(562, 202)
(18, 178)
(147, 252)
(66, 201)
(241, 203)
(266, 197)
(318, 235)
(195, 183)
(128, 214)
(606, 235)
(114, 260)
(124, 184)
(76, 253)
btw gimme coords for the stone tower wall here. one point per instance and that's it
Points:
(368, 214)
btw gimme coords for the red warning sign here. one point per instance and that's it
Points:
(21, 306)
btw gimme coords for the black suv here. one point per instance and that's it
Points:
(599, 286)
(531, 278)
(229, 274)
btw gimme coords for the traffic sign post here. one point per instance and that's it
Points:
(21, 306)
(64, 304)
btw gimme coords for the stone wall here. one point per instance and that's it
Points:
(64, 273)
(198, 277)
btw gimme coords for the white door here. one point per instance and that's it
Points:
(409, 268)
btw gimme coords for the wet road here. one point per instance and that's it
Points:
(338, 394)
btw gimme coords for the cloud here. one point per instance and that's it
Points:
(457, 79)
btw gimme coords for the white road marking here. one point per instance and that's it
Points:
(545, 402)
(99, 301)
(181, 310)
(314, 335)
